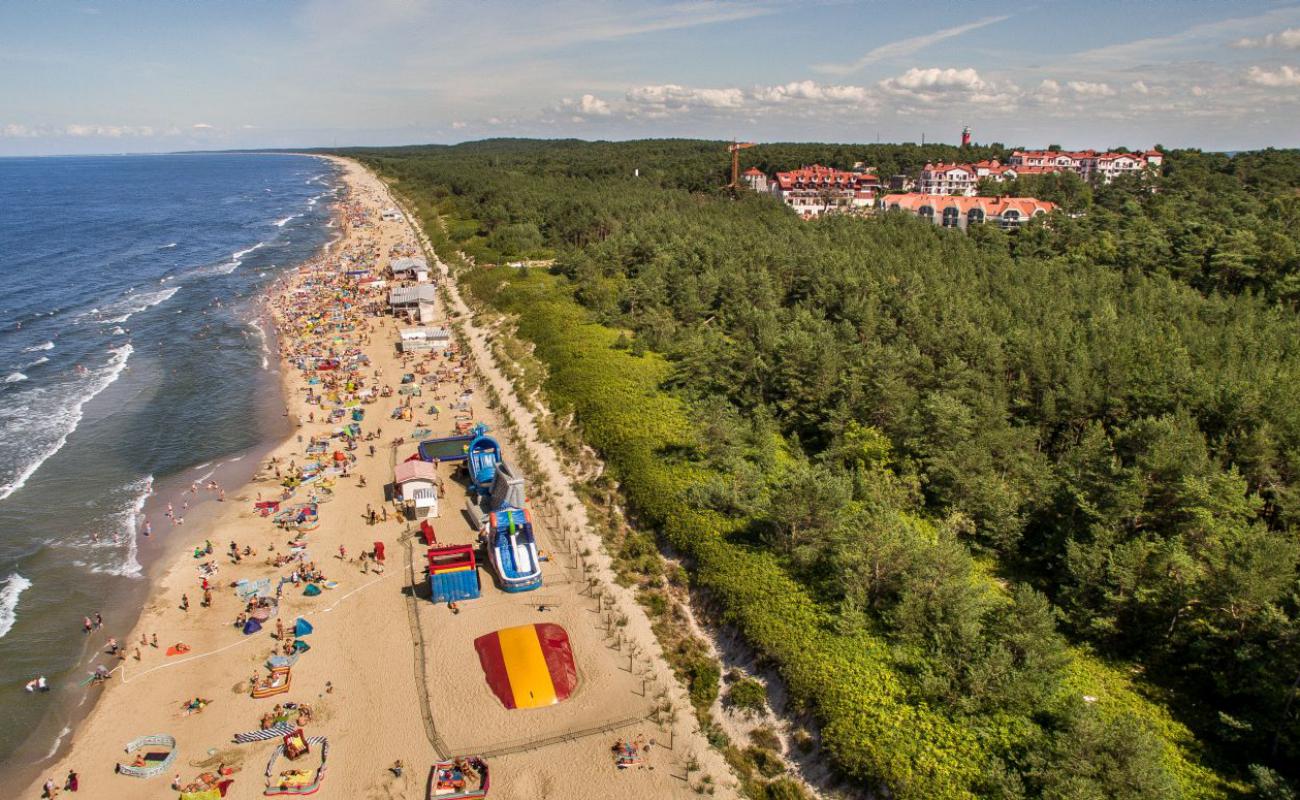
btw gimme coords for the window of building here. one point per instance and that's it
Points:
(975, 216)
(950, 217)
(925, 212)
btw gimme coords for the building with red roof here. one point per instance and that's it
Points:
(1090, 164)
(963, 179)
(959, 211)
(815, 190)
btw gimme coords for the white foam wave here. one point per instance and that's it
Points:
(135, 303)
(14, 586)
(217, 269)
(167, 246)
(261, 338)
(58, 740)
(41, 418)
(239, 254)
(117, 331)
(15, 377)
(129, 523)
(38, 347)
(38, 362)
(281, 223)
(204, 465)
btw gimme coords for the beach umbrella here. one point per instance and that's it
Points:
(302, 627)
(301, 647)
(312, 590)
(338, 456)
(251, 627)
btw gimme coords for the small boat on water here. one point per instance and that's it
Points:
(458, 779)
(512, 550)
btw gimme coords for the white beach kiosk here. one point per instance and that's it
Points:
(423, 339)
(416, 483)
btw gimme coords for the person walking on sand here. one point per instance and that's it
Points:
(185, 602)
(87, 625)
(72, 783)
(51, 790)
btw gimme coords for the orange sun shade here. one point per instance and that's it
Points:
(528, 666)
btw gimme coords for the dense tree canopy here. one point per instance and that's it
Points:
(986, 450)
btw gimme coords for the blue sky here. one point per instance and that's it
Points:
(155, 75)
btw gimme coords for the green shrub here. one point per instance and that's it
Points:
(747, 695)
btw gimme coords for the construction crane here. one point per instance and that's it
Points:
(734, 148)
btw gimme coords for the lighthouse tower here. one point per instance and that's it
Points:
(965, 136)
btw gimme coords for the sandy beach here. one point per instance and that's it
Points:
(389, 675)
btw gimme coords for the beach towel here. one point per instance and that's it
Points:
(302, 627)
(312, 590)
(180, 648)
(251, 627)
(274, 732)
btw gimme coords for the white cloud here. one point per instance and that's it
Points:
(671, 98)
(108, 131)
(586, 106)
(1091, 89)
(1288, 39)
(905, 47)
(949, 85)
(811, 90)
(1285, 76)
(936, 79)
(457, 125)
(201, 126)
(1140, 87)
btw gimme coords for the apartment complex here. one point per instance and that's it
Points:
(815, 190)
(961, 211)
(1089, 164)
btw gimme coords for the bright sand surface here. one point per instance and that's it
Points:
(402, 674)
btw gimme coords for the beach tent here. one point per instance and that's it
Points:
(300, 646)
(528, 666)
(312, 590)
(251, 627)
(302, 627)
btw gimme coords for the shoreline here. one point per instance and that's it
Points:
(358, 675)
(73, 705)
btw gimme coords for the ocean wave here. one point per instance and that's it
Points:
(14, 586)
(239, 254)
(224, 268)
(261, 338)
(128, 520)
(167, 246)
(47, 423)
(38, 347)
(15, 377)
(134, 303)
(58, 740)
(38, 362)
(281, 223)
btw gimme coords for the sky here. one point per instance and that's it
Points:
(115, 76)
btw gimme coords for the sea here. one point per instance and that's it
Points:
(134, 359)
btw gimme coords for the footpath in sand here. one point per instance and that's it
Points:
(388, 675)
